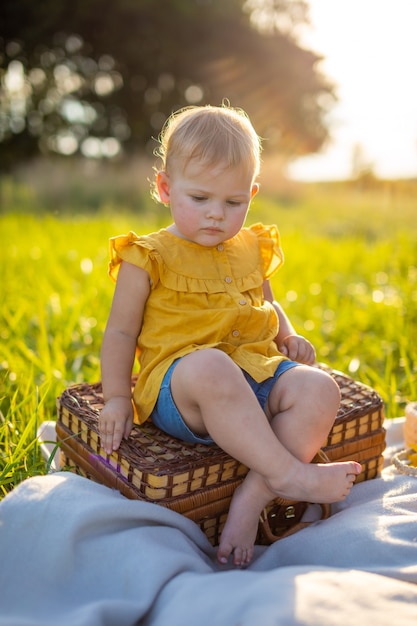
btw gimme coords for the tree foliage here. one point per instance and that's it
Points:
(92, 75)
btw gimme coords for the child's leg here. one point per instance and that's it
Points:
(302, 407)
(213, 397)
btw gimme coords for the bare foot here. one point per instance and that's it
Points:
(324, 483)
(317, 482)
(239, 533)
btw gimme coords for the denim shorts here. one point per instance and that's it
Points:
(167, 417)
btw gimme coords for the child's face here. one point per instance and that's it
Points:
(208, 205)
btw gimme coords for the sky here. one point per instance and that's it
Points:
(370, 50)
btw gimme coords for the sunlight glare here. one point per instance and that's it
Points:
(369, 49)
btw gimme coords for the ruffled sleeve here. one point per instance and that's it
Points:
(136, 250)
(270, 249)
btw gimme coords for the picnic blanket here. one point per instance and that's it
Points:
(75, 553)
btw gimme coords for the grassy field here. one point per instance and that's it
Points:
(349, 284)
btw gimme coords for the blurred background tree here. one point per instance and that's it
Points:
(99, 78)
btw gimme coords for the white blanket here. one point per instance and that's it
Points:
(74, 553)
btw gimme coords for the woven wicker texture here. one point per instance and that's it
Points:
(402, 463)
(196, 480)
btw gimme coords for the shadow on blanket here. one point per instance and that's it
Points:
(76, 553)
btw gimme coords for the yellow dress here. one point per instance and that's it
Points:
(202, 297)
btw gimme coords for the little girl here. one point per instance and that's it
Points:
(219, 359)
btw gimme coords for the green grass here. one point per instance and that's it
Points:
(349, 284)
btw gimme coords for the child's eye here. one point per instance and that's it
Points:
(233, 202)
(199, 198)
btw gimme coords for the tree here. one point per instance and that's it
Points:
(91, 75)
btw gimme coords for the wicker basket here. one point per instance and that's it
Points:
(196, 480)
(402, 462)
(410, 425)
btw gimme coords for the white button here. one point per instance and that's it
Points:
(228, 279)
(242, 302)
(235, 333)
(220, 247)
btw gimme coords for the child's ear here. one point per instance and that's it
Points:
(163, 186)
(254, 191)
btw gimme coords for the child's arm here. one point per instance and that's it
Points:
(118, 353)
(292, 345)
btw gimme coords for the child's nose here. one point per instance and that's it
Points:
(215, 211)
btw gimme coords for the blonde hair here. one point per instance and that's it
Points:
(210, 135)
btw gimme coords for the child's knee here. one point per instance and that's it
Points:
(209, 366)
(328, 393)
(333, 389)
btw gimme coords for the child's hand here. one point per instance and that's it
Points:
(297, 348)
(115, 422)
